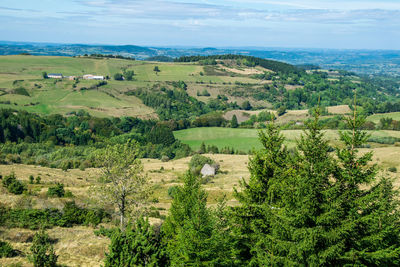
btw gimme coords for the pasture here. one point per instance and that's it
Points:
(247, 139)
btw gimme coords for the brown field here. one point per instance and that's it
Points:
(342, 109)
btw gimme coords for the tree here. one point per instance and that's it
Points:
(44, 75)
(124, 185)
(129, 75)
(268, 169)
(161, 134)
(234, 122)
(42, 251)
(118, 77)
(156, 69)
(139, 245)
(281, 110)
(307, 208)
(193, 235)
(246, 105)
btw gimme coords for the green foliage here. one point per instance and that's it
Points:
(307, 208)
(70, 215)
(172, 191)
(124, 185)
(44, 75)
(161, 134)
(281, 110)
(234, 122)
(197, 162)
(42, 250)
(192, 234)
(31, 179)
(138, 245)
(392, 169)
(20, 91)
(118, 77)
(129, 75)
(156, 69)
(13, 185)
(56, 191)
(180, 84)
(246, 105)
(6, 250)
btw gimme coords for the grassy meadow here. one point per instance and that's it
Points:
(247, 139)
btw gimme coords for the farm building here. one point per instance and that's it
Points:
(92, 77)
(55, 75)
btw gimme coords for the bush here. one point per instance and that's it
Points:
(17, 187)
(392, 169)
(387, 140)
(31, 179)
(56, 191)
(13, 185)
(6, 250)
(118, 77)
(42, 250)
(197, 162)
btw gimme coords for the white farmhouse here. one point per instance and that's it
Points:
(55, 75)
(92, 77)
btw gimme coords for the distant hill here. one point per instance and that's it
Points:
(381, 62)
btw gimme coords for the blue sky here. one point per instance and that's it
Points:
(351, 24)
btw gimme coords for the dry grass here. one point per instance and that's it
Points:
(342, 109)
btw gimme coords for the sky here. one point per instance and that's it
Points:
(340, 24)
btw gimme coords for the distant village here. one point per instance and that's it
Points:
(85, 77)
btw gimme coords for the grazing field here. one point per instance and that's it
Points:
(376, 117)
(48, 96)
(247, 139)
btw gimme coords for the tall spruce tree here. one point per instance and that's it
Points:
(193, 235)
(258, 197)
(369, 208)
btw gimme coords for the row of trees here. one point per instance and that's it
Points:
(303, 207)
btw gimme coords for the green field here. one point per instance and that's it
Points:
(247, 139)
(376, 117)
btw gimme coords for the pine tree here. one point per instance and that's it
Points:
(138, 245)
(234, 122)
(261, 194)
(191, 234)
(370, 219)
(42, 251)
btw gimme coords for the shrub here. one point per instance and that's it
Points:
(392, 169)
(387, 140)
(6, 250)
(20, 91)
(42, 250)
(56, 191)
(17, 187)
(13, 185)
(38, 180)
(118, 77)
(31, 179)
(197, 162)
